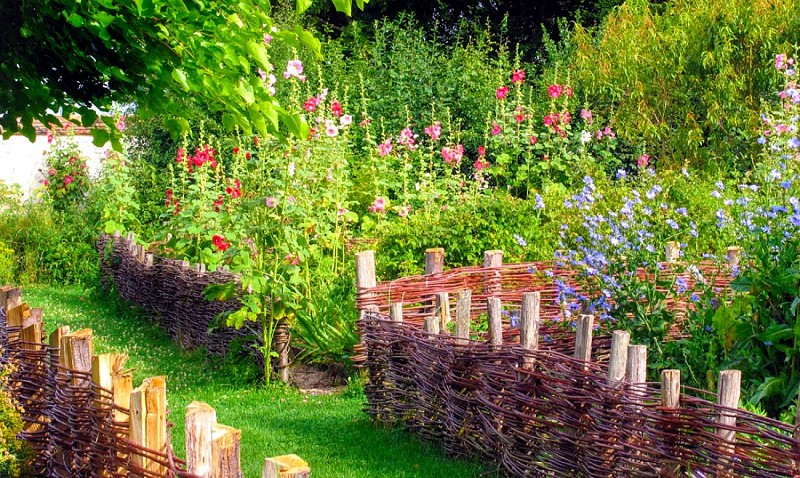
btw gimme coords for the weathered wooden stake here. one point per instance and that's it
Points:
(636, 372)
(200, 421)
(495, 315)
(156, 428)
(670, 388)
(434, 261)
(618, 361)
(148, 260)
(286, 466)
(443, 310)
(365, 275)
(733, 256)
(122, 386)
(728, 393)
(77, 349)
(583, 338)
(396, 312)
(529, 324)
(225, 452)
(463, 311)
(55, 343)
(431, 326)
(673, 251)
(31, 337)
(137, 429)
(493, 259)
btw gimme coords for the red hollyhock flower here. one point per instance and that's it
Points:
(220, 243)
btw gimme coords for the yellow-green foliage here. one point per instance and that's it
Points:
(686, 77)
(6, 263)
(12, 450)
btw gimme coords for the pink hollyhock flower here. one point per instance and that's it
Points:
(270, 202)
(267, 38)
(781, 128)
(533, 140)
(481, 151)
(502, 92)
(121, 123)
(330, 129)
(293, 259)
(548, 120)
(46, 182)
(519, 117)
(518, 76)
(496, 129)
(378, 206)
(49, 137)
(453, 155)
(481, 164)
(336, 109)
(408, 138)
(52, 172)
(554, 91)
(403, 211)
(345, 120)
(780, 61)
(434, 130)
(566, 117)
(67, 180)
(385, 147)
(294, 68)
(607, 131)
(568, 92)
(643, 161)
(364, 123)
(587, 116)
(311, 104)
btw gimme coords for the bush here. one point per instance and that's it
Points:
(13, 452)
(683, 79)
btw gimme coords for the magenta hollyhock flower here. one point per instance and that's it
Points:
(554, 91)
(502, 92)
(518, 76)
(481, 164)
(586, 115)
(481, 151)
(780, 61)
(434, 130)
(533, 140)
(496, 129)
(408, 138)
(336, 109)
(453, 155)
(385, 147)
(67, 180)
(566, 117)
(378, 206)
(643, 161)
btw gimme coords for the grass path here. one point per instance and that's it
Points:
(331, 432)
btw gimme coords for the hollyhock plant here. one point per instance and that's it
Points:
(502, 92)
(434, 131)
(385, 148)
(518, 76)
(294, 69)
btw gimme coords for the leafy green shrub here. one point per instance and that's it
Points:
(13, 452)
(683, 79)
(66, 172)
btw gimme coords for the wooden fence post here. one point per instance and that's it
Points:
(672, 251)
(77, 349)
(636, 371)
(583, 338)
(31, 337)
(365, 274)
(431, 326)
(495, 317)
(137, 428)
(728, 393)
(286, 466)
(396, 312)
(670, 401)
(156, 403)
(226, 452)
(463, 311)
(200, 421)
(55, 343)
(618, 361)
(443, 310)
(434, 261)
(493, 259)
(529, 324)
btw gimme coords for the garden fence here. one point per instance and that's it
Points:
(533, 397)
(172, 291)
(83, 418)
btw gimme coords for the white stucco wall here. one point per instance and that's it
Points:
(21, 160)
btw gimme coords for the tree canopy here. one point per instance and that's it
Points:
(72, 56)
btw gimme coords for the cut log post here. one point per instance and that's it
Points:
(137, 428)
(463, 312)
(225, 452)
(618, 361)
(396, 312)
(636, 371)
(495, 316)
(77, 349)
(728, 393)
(443, 310)
(672, 251)
(101, 371)
(286, 466)
(122, 386)
(365, 277)
(529, 324)
(35, 316)
(670, 402)
(431, 326)
(156, 428)
(733, 256)
(31, 337)
(140, 253)
(493, 260)
(434, 261)
(200, 421)
(282, 342)
(148, 260)
(12, 302)
(55, 343)
(583, 338)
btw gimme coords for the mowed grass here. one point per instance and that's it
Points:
(330, 432)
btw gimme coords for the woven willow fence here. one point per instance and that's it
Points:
(83, 418)
(538, 399)
(172, 292)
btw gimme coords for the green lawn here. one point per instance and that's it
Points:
(330, 432)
